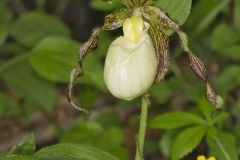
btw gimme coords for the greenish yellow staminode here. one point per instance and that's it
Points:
(133, 28)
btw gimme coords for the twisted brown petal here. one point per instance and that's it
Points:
(112, 21)
(196, 64)
(160, 41)
(161, 44)
(115, 19)
(77, 70)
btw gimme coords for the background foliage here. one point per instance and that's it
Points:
(39, 42)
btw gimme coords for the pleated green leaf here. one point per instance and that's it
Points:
(73, 152)
(175, 119)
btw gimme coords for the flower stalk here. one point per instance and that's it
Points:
(142, 128)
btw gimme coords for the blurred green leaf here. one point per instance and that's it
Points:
(16, 157)
(27, 147)
(232, 52)
(221, 117)
(93, 134)
(204, 13)
(93, 72)
(178, 10)
(73, 152)
(13, 48)
(150, 147)
(109, 119)
(54, 57)
(19, 76)
(88, 96)
(8, 106)
(165, 143)
(223, 36)
(161, 92)
(229, 78)
(236, 130)
(237, 14)
(175, 120)
(186, 141)
(32, 27)
(194, 92)
(206, 108)
(5, 17)
(224, 39)
(105, 39)
(223, 147)
(236, 109)
(103, 6)
(83, 132)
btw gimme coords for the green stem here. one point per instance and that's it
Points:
(142, 129)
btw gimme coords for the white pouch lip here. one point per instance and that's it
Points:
(124, 53)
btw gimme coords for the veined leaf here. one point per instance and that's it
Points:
(222, 146)
(175, 119)
(73, 152)
(186, 141)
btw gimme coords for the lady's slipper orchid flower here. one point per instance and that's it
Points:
(131, 62)
(141, 56)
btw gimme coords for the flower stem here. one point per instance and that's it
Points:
(142, 129)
